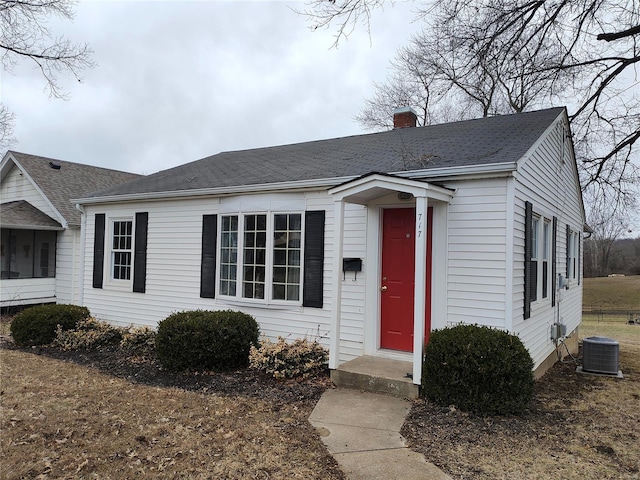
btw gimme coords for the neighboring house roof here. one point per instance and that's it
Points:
(70, 180)
(21, 214)
(486, 141)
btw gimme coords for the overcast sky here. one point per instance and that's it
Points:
(177, 81)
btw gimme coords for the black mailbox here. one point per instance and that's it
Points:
(352, 265)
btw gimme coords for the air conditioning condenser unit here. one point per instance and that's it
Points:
(600, 355)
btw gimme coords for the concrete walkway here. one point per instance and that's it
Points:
(362, 432)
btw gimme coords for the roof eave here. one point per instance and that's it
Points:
(473, 171)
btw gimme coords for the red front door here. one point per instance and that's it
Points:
(398, 278)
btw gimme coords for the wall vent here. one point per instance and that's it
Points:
(600, 355)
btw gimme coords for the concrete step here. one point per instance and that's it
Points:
(377, 375)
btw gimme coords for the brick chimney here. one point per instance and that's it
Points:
(404, 117)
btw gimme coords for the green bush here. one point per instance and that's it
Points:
(205, 340)
(37, 325)
(89, 333)
(478, 369)
(282, 359)
(139, 341)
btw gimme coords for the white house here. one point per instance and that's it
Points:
(41, 227)
(369, 241)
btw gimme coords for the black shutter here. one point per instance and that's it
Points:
(98, 251)
(140, 253)
(528, 231)
(312, 295)
(554, 243)
(208, 261)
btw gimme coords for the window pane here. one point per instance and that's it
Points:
(534, 280)
(249, 240)
(280, 222)
(295, 222)
(279, 257)
(293, 292)
(278, 292)
(261, 222)
(279, 275)
(293, 275)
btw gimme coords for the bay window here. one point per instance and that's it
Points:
(263, 254)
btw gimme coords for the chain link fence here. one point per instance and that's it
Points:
(599, 314)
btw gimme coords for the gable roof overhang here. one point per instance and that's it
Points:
(374, 185)
(21, 215)
(8, 162)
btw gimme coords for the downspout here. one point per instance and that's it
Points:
(83, 234)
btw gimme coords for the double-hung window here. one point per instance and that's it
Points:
(261, 256)
(573, 242)
(539, 256)
(121, 251)
(534, 258)
(228, 255)
(546, 241)
(287, 250)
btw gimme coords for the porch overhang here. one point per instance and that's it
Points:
(21, 215)
(363, 191)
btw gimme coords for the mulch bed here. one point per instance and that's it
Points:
(147, 371)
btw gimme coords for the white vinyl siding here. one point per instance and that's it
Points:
(551, 184)
(477, 252)
(174, 250)
(68, 266)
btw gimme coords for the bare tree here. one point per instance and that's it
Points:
(6, 128)
(502, 56)
(609, 224)
(24, 35)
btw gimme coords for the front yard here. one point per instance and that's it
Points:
(101, 414)
(61, 419)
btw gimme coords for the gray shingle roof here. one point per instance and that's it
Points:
(21, 214)
(483, 141)
(71, 180)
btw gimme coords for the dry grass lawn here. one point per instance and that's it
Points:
(62, 420)
(612, 293)
(579, 427)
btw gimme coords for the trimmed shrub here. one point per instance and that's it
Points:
(478, 369)
(300, 358)
(89, 333)
(139, 341)
(37, 325)
(205, 340)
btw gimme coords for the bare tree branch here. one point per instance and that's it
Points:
(486, 57)
(24, 35)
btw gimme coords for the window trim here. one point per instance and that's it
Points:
(109, 251)
(573, 255)
(269, 259)
(539, 261)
